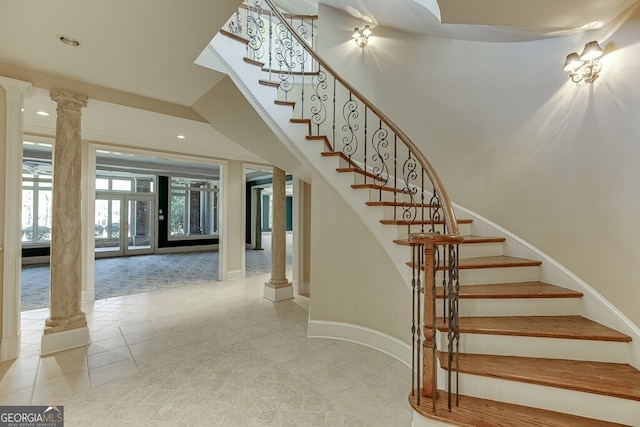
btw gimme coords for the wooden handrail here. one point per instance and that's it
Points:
(441, 192)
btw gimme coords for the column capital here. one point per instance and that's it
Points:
(70, 100)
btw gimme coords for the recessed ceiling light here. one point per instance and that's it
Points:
(42, 113)
(181, 136)
(68, 40)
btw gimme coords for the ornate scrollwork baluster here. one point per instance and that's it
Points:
(380, 143)
(319, 98)
(256, 29)
(285, 57)
(435, 215)
(350, 140)
(235, 24)
(409, 175)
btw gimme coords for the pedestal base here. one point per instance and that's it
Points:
(279, 293)
(64, 340)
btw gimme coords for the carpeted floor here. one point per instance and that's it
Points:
(145, 273)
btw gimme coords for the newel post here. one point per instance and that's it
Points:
(433, 262)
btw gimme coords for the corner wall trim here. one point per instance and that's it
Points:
(363, 336)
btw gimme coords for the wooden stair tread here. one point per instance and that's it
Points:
(268, 83)
(426, 221)
(285, 103)
(477, 412)
(397, 204)
(569, 327)
(603, 378)
(253, 62)
(234, 37)
(467, 239)
(501, 261)
(513, 290)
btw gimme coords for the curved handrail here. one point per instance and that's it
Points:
(449, 215)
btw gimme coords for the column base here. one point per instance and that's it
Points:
(64, 340)
(10, 348)
(279, 293)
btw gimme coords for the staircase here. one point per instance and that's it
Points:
(527, 356)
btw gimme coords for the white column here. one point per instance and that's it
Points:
(67, 326)
(301, 241)
(278, 287)
(16, 91)
(232, 247)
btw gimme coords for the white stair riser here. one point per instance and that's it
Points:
(477, 250)
(484, 276)
(389, 211)
(583, 404)
(387, 196)
(551, 348)
(403, 230)
(516, 307)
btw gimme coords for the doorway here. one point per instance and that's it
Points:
(124, 225)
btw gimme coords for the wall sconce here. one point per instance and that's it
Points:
(361, 37)
(586, 66)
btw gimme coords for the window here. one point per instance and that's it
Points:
(37, 207)
(193, 208)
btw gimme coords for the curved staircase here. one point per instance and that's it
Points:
(527, 357)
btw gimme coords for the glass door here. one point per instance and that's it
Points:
(124, 225)
(107, 225)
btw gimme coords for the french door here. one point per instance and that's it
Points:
(124, 224)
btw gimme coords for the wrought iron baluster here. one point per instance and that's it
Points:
(365, 150)
(350, 114)
(419, 330)
(456, 287)
(333, 124)
(379, 143)
(395, 176)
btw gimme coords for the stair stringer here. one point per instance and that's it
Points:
(593, 306)
(229, 54)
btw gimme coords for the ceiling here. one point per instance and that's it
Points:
(135, 59)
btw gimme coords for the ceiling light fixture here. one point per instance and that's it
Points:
(586, 66)
(43, 113)
(181, 136)
(70, 41)
(361, 37)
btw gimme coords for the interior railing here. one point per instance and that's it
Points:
(382, 159)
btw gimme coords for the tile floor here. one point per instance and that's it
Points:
(207, 355)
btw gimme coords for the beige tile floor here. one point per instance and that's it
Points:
(209, 355)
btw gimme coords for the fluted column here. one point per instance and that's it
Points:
(278, 287)
(11, 124)
(67, 326)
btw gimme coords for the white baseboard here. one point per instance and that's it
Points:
(232, 275)
(277, 294)
(65, 340)
(301, 288)
(10, 348)
(361, 335)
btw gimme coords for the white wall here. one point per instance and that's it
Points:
(515, 141)
(353, 280)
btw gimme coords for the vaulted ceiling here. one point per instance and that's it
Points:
(140, 53)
